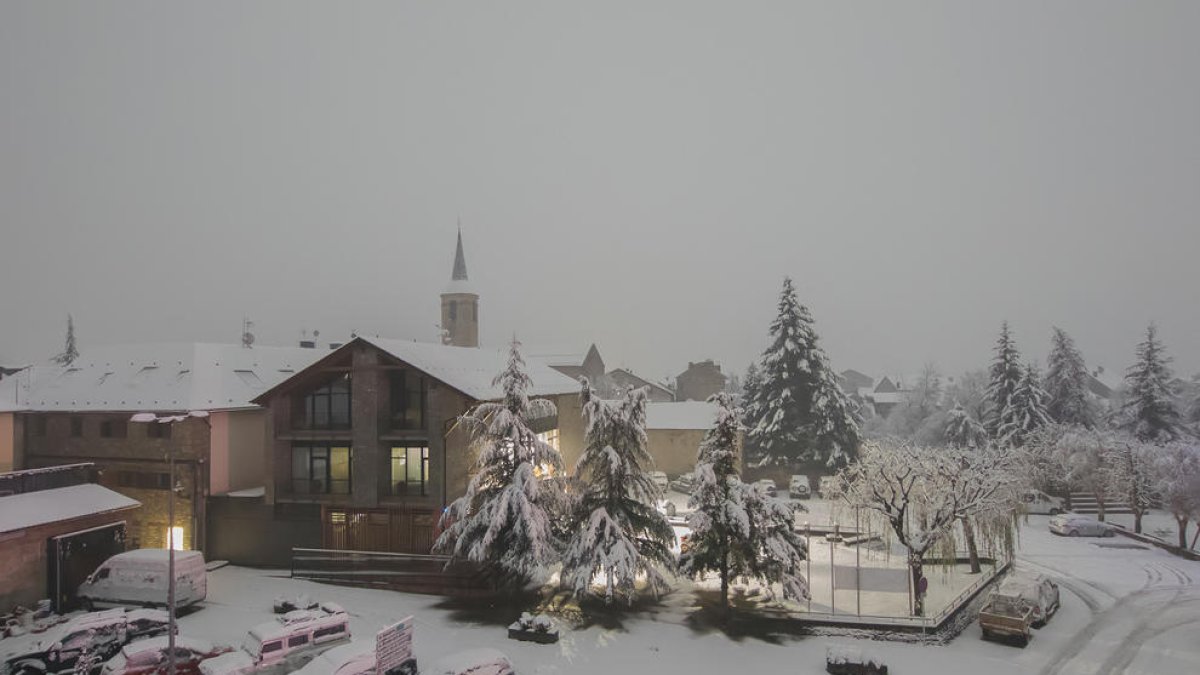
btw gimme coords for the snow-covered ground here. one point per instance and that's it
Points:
(1123, 607)
(1127, 607)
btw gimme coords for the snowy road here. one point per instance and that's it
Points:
(1149, 628)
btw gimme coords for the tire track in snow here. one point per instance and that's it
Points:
(1127, 650)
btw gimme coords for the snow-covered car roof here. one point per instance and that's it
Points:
(348, 659)
(158, 644)
(236, 661)
(468, 661)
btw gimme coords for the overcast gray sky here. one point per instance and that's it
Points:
(637, 174)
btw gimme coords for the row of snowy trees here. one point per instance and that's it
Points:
(1115, 466)
(1012, 400)
(522, 516)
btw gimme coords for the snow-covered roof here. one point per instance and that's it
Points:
(555, 356)
(30, 509)
(680, 415)
(888, 397)
(156, 377)
(459, 286)
(472, 369)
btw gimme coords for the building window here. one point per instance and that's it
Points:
(76, 427)
(410, 470)
(112, 429)
(157, 430)
(550, 438)
(175, 536)
(319, 469)
(328, 406)
(453, 310)
(144, 480)
(38, 425)
(407, 400)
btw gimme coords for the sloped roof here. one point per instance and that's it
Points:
(472, 369)
(644, 382)
(681, 415)
(30, 509)
(156, 377)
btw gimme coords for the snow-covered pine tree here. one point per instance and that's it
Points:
(749, 400)
(718, 521)
(619, 535)
(69, 352)
(963, 431)
(737, 530)
(505, 521)
(1005, 377)
(1149, 411)
(1066, 383)
(800, 412)
(1026, 410)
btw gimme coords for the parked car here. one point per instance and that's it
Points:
(829, 487)
(685, 483)
(140, 578)
(768, 486)
(1075, 525)
(1037, 590)
(96, 637)
(150, 657)
(1040, 503)
(660, 481)
(483, 661)
(798, 487)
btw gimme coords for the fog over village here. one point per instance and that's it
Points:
(553, 338)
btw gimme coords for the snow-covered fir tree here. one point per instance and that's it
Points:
(1005, 376)
(737, 530)
(799, 412)
(506, 519)
(749, 399)
(1149, 410)
(619, 536)
(1026, 411)
(962, 430)
(1066, 383)
(70, 352)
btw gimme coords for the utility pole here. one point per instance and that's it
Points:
(151, 418)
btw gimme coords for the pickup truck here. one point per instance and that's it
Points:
(1006, 618)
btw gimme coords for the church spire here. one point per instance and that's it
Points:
(460, 261)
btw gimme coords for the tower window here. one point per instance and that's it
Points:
(453, 310)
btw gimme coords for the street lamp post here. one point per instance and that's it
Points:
(151, 418)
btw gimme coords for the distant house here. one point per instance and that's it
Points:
(55, 529)
(674, 431)
(854, 382)
(621, 379)
(701, 380)
(886, 396)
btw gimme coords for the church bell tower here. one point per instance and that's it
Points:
(460, 305)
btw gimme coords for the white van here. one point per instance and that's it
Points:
(139, 578)
(1038, 502)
